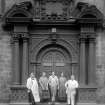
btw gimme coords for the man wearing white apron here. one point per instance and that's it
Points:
(32, 86)
(71, 86)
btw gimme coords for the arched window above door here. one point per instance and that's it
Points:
(53, 58)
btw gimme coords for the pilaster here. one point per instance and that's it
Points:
(25, 58)
(91, 62)
(82, 60)
(16, 72)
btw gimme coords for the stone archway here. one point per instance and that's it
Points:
(54, 59)
(62, 48)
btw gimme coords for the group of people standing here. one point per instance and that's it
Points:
(53, 86)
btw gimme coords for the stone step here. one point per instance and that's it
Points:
(53, 104)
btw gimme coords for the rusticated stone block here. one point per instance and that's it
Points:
(5, 65)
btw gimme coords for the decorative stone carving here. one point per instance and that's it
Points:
(54, 38)
(82, 6)
(85, 94)
(53, 9)
(71, 8)
(20, 35)
(24, 5)
(19, 94)
(37, 10)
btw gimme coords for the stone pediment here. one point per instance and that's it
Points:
(22, 9)
(24, 5)
(53, 10)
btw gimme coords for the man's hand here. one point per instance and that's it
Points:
(58, 87)
(28, 90)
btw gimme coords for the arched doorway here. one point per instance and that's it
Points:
(54, 59)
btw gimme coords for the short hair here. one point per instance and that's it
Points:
(43, 72)
(32, 73)
(72, 76)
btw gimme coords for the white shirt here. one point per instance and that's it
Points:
(53, 81)
(71, 84)
(33, 86)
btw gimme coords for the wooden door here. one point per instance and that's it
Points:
(55, 61)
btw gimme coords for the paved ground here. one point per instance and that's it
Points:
(4, 104)
(55, 104)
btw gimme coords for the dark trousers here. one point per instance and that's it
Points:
(31, 98)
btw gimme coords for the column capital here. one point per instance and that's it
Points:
(82, 38)
(20, 34)
(88, 34)
(25, 39)
(14, 40)
(25, 35)
(92, 39)
(15, 35)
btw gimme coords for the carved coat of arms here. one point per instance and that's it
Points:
(54, 9)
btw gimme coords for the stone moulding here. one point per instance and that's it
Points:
(85, 94)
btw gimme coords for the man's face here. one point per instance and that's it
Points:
(62, 74)
(53, 73)
(72, 77)
(32, 75)
(44, 74)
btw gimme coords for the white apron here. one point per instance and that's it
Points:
(33, 86)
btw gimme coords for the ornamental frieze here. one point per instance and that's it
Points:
(53, 9)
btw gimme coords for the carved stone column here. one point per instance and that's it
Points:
(25, 58)
(91, 62)
(82, 61)
(16, 72)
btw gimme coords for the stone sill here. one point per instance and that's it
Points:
(81, 86)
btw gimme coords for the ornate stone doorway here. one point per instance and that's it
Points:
(54, 59)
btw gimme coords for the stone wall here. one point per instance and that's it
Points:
(5, 65)
(100, 65)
